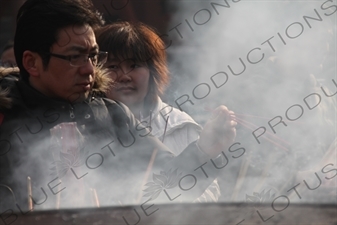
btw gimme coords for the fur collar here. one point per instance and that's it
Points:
(101, 85)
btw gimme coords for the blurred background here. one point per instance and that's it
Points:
(153, 12)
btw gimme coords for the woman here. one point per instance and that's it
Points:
(137, 65)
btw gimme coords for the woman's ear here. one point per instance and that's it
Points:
(32, 62)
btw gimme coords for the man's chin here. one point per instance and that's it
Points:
(78, 97)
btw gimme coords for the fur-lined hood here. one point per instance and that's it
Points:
(101, 85)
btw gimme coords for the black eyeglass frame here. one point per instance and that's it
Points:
(92, 56)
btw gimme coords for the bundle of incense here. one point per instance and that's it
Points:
(272, 138)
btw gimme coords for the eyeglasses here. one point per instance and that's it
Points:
(81, 59)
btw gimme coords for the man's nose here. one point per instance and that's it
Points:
(87, 68)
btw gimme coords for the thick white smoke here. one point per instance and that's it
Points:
(274, 64)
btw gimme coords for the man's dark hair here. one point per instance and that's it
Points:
(39, 21)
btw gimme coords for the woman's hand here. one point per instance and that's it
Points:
(219, 132)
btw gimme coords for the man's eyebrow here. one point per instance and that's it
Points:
(81, 48)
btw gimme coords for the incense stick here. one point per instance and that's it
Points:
(241, 177)
(267, 132)
(271, 141)
(147, 173)
(264, 173)
(94, 197)
(58, 197)
(29, 191)
(262, 117)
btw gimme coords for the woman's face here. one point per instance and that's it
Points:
(131, 81)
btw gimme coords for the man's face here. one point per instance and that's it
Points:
(60, 79)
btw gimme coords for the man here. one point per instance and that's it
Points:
(60, 145)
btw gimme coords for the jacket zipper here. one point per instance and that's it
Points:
(71, 110)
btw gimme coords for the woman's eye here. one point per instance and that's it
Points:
(135, 65)
(113, 67)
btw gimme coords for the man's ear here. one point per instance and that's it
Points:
(32, 62)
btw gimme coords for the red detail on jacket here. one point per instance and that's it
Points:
(2, 116)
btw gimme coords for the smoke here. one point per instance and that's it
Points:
(269, 63)
(274, 64)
